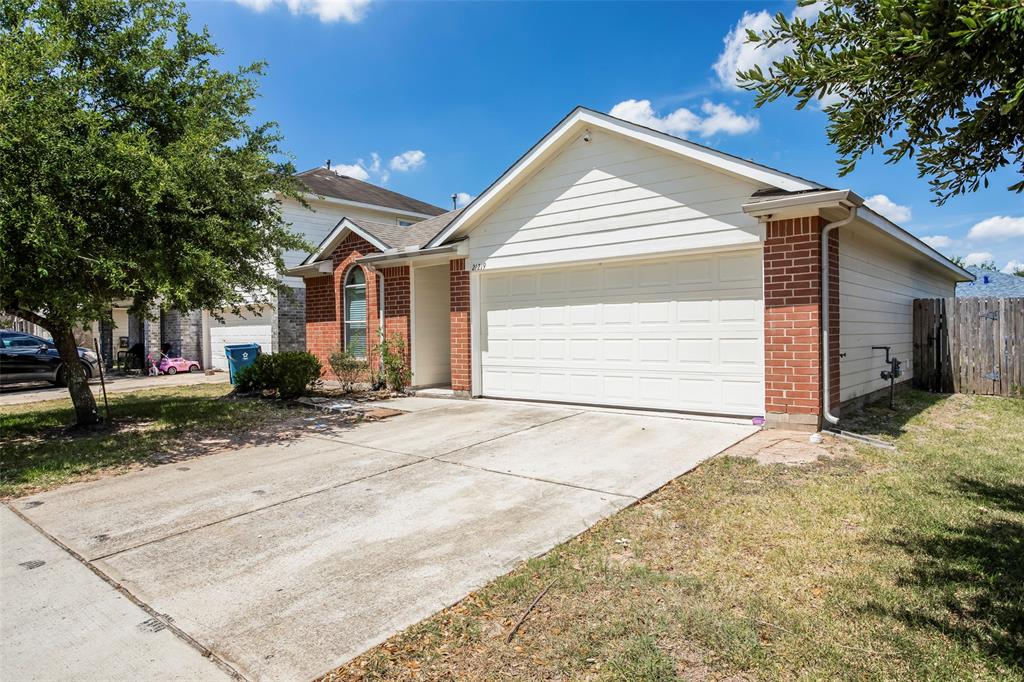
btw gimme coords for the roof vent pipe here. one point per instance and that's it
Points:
(825, 387)
(455, 201)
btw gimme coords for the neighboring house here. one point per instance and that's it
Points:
(989, 283)
(617, 265)
(281, 325)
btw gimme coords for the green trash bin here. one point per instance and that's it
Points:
(241, 355)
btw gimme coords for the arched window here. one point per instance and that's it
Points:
(355, 312)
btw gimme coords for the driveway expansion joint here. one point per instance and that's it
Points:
(539, 480)
(249, 512)
(155, 616)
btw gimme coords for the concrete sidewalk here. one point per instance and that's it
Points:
(20, 394)
(59, 620)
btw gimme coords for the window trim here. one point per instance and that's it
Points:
(346, 323)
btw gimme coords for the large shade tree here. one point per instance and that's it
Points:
(130, 170)
(940, 80)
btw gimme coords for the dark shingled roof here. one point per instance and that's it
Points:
(418, 234)
(998, 285)
(329, 184)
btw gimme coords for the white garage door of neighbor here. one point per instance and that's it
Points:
(680, 334)
(233, 330)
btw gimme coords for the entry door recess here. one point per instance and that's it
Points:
(678, 334)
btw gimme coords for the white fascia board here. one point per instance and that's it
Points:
(309, 196)
(581, 118)
(814, 201)
(314, 268)
(807, 201)
(896, 232)
(331, 240)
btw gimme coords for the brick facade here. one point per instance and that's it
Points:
(461, 356)
(792, 323)
(398, 307)
(324, 301)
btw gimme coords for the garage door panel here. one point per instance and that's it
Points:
(677, 334)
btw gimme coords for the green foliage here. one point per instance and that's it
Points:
(349, 369)
(939, 79)
(131, 169)
(394, 367)
(987, 265)
(288, 374)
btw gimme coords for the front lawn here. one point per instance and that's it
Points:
(38, 452)
(869, 564)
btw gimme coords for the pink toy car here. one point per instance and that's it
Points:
(174, 365)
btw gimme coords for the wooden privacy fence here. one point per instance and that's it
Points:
(969, 345)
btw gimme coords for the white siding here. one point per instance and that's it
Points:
(878, 283)
(613, 197)
(317, 221)
(431, 332)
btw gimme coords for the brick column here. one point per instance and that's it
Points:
(792, 322)
(397, 306)
(461, 356)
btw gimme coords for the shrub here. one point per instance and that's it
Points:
(394, 369)
(288, 374)
(348, 368)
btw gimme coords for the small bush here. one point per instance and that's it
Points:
(349, 369)
(393, 366)
(288, 374)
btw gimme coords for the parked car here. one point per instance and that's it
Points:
(174, 365)
(24, 357)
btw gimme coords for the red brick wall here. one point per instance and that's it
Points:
(792, 300)
(324, 301)
(397, 304)
(461, 357)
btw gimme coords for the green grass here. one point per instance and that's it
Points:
(866, 565)
(38, 451)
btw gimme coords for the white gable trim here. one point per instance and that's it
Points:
(331, 241)
(580, 119)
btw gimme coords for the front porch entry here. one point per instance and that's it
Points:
(431, 326)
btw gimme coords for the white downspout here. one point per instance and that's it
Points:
(826, 389)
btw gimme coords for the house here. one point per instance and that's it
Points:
(616, 265)
(280, 325)
(989, 283)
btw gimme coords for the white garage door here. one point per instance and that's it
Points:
(680, 334)
(237, 329)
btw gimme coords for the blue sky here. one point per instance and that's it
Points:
(435, 98)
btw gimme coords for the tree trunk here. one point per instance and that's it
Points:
(78, 386)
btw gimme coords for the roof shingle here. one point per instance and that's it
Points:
(329, 184)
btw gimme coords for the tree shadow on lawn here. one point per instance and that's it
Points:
(878, 419)
(40, 452)
(971, 575)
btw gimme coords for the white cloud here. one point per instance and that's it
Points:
(354, 170)
(407, 161)
(897, 213)
(463, 198)
(1013, 266)
(739, 55)
(328, 11)
(718, 118)
(375, 171)
(998, 227)
(978, 258)
(938, 241)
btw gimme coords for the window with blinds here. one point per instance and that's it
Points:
(355, 312)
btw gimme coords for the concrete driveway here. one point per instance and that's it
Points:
(286, 561)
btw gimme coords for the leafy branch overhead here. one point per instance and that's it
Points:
(939, 80)
(131, 169)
